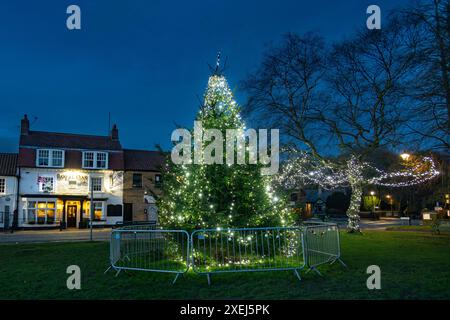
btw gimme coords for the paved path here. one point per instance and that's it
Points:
(23, 236)
(380, 225)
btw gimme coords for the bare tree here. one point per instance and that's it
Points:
(344, 100)
(431, 95)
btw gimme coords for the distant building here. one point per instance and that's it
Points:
(8, 188)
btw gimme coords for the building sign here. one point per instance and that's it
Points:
(45, 184)
(72, 182)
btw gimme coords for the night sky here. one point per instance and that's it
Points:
(144, 61)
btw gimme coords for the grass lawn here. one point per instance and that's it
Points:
(414, 265)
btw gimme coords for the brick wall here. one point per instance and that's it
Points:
(136, 195)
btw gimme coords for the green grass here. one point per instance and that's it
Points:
(413, 266)
(444, 228)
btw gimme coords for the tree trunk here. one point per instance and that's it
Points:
(354, 174)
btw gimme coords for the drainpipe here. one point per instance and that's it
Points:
(15, 223)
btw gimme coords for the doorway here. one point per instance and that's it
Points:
(71, 216)
(127, 212)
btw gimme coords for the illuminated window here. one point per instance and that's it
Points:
(2, 185)
(41, 212)
(95, 160)
(50, 158)
(98, 210)
(96, 184)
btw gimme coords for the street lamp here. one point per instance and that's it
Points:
(372, 194)
(405, 156)
(391, 201)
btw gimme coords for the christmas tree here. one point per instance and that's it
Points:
(218, 195)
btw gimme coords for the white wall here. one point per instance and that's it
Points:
(72, 182)
(9, 197)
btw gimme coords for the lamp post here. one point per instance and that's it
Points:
(91, 209)
(372, 194)
(406, 157)
(391, 202)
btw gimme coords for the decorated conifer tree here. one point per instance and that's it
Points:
(200, 195)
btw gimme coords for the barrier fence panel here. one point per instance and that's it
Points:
(212, 251)
(150, 250)
(247, 250)
(322, 245)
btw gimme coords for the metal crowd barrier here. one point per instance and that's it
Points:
(213, 251)
(149, 250)
(247, 250)
(322, 245)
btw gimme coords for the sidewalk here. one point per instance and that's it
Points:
(36, 236)
(29, 236)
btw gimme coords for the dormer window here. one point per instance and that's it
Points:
(50, 158)
(95, 160)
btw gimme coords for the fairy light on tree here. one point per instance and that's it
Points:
(305, 169)
(201, 195)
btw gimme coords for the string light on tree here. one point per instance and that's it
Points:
(304, 169)
(215, 195)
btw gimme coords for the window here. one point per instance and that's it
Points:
(57, 158)
(96, 184)
(101, 160)
(45, 184)
(137, 180)
(40, 212)
(43, 158)
(2, 185)
(88, 159)
(114, 210)
(98, 210)
(158, 180)
(95, 160)
(50, 158)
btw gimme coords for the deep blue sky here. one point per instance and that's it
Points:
(145, 61)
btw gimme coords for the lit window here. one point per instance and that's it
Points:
(2, 185)
(42, 212)
(137, 180)
(96, 184)
(50, 158)
(95, 160)
(98, 210)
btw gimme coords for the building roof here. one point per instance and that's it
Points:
(143, 160)
(68, 140)
(8, 164)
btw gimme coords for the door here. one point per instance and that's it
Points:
(6, 218)
(127, 212)
(71, 216)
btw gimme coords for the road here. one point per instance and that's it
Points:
(36, 236)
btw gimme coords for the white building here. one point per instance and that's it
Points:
(8, 188)
(57, 173)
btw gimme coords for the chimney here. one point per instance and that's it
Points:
(114, 133)
(24, 126)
